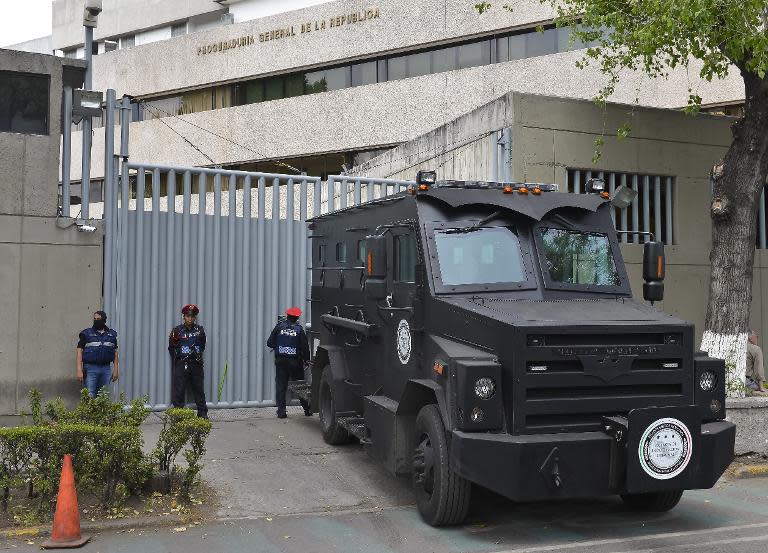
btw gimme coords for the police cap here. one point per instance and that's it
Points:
(190, 309)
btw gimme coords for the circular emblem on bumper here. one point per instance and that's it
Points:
(404, 342)
(665, 448)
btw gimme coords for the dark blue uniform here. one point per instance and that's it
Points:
(291, 346)
(186, 346)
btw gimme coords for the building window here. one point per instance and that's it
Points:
(651, 212)
(24, 102)
(405, 258)
(180, 29)
(110, 46)
(128, 41)
(506, 47)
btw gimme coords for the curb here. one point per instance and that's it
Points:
(102, 526)
(751, 471)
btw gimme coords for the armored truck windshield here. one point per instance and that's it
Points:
(574, 257)
(479, 256)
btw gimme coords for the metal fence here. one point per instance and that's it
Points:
(232, 242)
(652, 211)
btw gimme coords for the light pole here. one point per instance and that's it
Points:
(90, 20)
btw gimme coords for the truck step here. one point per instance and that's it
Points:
(300, 388)
(356, 427)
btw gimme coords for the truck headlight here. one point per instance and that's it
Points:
(485, 387)
(707, 381)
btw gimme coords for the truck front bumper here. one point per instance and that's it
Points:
(587, 464)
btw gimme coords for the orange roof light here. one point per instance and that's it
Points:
(522, 190)
(536, 191)
(423, 187)
(508, 190)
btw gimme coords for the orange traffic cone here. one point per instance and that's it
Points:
(66, 521)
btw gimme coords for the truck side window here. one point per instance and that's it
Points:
(361, 250)
(321, 253)
(405, 258)
(341, 252)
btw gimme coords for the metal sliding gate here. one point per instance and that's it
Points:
(232, 242)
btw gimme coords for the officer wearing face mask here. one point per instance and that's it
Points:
(97, 363)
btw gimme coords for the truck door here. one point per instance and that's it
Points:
(403, 313)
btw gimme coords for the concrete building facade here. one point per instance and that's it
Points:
(50, 274)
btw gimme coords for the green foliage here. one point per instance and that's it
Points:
(103, 437)
(658, 36)
(182, 427)
(483, 7)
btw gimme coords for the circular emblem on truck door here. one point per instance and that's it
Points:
(665, 448)
(404, 342)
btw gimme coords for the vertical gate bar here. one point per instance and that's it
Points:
(202, 252)
(162, 381)
(246, 333)
(273, 289)
(358, 195)
(635, 211)
(343, 194)
(611, 190)
(120, 260)
(261, 277)
(186, 210)
(382, 189)
(66, 151)
(290, 245)
(136, 344)
(109, 202)
(646, 206)
(229, 325)
(577, 182)
(624, 211)
(302, 268)
(318, 190)
(153, 341)
(657, 208)
(216, 327)
(668, 209)
(761, 215)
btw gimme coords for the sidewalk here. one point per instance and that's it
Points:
(259, 465)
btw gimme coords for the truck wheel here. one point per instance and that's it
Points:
(442, 496)
(656, 502)
(333, 434)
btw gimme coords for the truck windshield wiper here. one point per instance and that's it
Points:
(476, 226)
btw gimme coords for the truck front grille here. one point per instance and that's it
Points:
(572, 381)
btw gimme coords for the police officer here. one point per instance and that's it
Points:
(186, 345)
(289, 341)
(96, 351)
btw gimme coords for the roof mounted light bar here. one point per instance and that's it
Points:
(489, 185)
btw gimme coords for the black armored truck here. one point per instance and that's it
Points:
(486, 333)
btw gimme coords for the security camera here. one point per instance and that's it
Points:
(91, 13)
(93, 7)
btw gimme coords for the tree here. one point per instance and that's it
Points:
(717, 37)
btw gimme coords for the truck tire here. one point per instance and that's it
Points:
(333, 434)
(655, 502)
(442, 496)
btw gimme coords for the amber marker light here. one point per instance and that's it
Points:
(536, 191)
(423, 187)
(605, 195)
(508, 190)
(370, 263)
(522, 190)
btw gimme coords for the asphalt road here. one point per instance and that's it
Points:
(283, 490)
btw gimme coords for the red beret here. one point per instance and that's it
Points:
(190, 309)
(293, 312)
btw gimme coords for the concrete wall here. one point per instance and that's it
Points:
(50, 277)
(121, 17)
(371, 116)
(42, 45)
(551, 135)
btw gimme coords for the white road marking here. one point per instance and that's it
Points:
(596, 543)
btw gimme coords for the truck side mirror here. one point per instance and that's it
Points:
(653, 271)
(376, 267)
